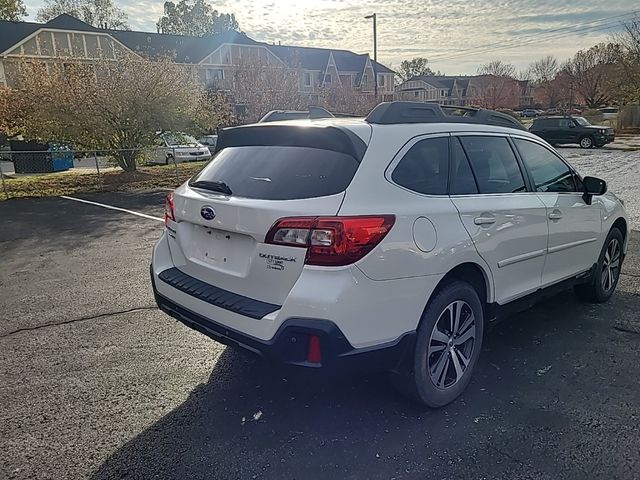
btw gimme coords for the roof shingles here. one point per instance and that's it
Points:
(191, 49)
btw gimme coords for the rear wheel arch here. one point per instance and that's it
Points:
(473, 274)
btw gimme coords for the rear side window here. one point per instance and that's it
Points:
(494, 164)
(462, 181)
(550, 174)
(280, 172)
(425, 167)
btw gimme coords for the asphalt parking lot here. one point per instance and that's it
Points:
(96, 383)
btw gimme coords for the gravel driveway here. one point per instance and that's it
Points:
(620, 169)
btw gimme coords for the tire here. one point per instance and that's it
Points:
(436, 379)
(586, 142)
(605, 278)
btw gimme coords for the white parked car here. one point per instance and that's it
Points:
(385, 243)
(209, 141)
(182, 147)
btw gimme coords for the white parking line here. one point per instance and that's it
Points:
(111, 207)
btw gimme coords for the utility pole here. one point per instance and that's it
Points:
(375, 54)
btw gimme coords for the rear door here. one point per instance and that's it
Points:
(506, 222)
(224, 213)
(544, 128)
(574, 226)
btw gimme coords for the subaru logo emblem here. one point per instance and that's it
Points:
(207, 213)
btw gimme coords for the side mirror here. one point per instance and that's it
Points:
(593, 186)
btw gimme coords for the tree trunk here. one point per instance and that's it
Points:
(127, 160)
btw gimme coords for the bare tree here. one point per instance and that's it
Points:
(629, 61)
(346, 99)
(260, 87)
(497, 85)
(543, 74)
(592, 73)
(497, 68)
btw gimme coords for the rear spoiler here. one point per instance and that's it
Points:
(331, 138)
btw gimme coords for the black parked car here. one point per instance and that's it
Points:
(578, 130)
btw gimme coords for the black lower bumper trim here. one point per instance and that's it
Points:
(233, 302)
(289, 344)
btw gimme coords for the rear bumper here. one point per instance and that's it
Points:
(289, 346)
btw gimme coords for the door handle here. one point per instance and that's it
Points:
(484, 220)
(555, 215)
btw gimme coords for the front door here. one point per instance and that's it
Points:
(574, 226)
(507, 224)
(566, 131)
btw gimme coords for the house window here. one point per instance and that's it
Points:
(381, 80)
(443, 93)
(327, 78)
(307, 79)
(215, 74)
(416, 93)
(365, 78)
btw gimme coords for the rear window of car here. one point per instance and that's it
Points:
(280, 172)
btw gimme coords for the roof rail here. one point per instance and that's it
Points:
(389, 113)
(313, 112)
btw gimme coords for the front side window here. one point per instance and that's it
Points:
(494, 164)
(550, 174)
(425, 167)
(566, 123)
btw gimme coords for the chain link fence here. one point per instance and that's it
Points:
(37, 173)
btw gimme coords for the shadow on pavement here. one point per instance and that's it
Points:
(531, 412)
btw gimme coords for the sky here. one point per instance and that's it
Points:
(456, 36)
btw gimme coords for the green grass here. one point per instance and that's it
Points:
(73, 182)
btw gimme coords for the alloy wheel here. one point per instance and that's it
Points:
(610, 265)
(451, 344)
(586, 142)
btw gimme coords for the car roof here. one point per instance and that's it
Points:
(404, 130)
(554, 117)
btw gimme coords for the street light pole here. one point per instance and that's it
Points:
(375, 54)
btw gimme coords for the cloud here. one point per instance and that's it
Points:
(441, 31)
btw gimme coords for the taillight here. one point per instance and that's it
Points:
(169, 213)
(331, 241)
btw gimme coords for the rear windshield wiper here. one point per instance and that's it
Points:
(211, 185)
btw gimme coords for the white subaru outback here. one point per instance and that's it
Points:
(388, 242)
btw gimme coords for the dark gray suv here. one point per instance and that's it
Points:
(558, 130)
